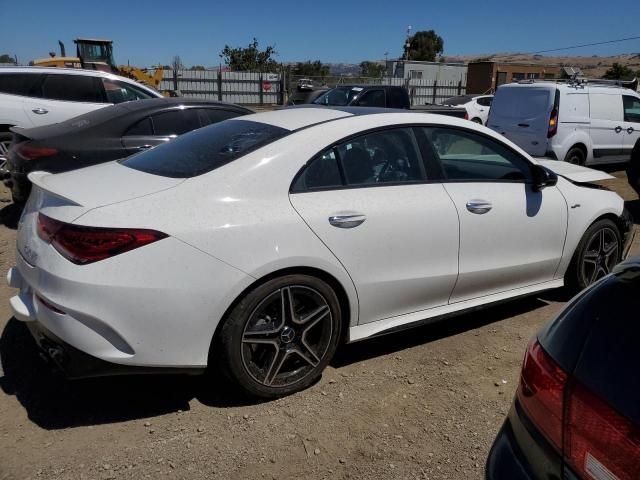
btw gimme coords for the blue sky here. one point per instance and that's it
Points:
(147, 33)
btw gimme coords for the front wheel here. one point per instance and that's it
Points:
(598, 252)
(280, 336)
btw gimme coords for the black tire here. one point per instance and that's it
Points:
(476, 120)
(591, 261)
(576, 156)
(269, 353)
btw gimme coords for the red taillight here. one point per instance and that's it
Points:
(466, 115)
(599, 443)
(82, 245)
(553, 123)
(31, 152)
(541, 392)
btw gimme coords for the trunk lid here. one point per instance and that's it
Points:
(521, 113)
(67, 196)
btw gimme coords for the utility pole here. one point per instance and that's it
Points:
(407, 43)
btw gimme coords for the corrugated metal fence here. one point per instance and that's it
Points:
(248, 88)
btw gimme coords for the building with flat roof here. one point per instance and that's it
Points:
(486, 77)
(441, 72)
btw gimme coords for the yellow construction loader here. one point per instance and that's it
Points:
(96, 54)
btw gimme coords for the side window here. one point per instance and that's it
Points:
(485, 101)
(321, 173)
(72, 88)
(175, 122)
(118, 92)
(469, 156)
(214, 115)
(372, 98)
(397, 98)
(631, 109)
(140, 128)
(20, 84)
(386, 156)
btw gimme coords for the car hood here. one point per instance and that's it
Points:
(100, 185)
(572, 172)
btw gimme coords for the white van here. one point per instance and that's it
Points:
(579, 122)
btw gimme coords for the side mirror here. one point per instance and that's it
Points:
(542, 178)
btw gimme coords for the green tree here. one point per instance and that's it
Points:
(424, 46)
(6, 58)
(372, 69)
(197, 67)
(311, 69)
(250, 58)
(619, 72)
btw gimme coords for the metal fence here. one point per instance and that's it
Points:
(247, 88)
(421, 91)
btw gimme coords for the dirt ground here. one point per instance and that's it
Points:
(426, 403)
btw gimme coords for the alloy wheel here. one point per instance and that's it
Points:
(286, 336)
(600, 256)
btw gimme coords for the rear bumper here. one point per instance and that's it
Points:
(519, 452)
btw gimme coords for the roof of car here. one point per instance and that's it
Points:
(177, 101)
(70, 71)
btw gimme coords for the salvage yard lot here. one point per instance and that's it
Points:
(425, 403)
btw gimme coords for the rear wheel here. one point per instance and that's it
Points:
(576, 156)
(598, 252)
(281, 336)
(476, 120)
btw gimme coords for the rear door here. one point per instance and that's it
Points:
(521, 113)
(607, 121)
(369, 201)
(62, 96)
(631, 127)
(15, 90)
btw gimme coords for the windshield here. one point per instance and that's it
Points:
(339, 96)
(206, 149)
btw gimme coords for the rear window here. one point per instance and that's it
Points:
(19, 83)
(205, 149)
(522, 102)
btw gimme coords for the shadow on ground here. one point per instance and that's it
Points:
(55, 403)
(10, 214)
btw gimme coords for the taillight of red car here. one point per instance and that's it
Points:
(596, 441)
(82, 245)
(32, 152)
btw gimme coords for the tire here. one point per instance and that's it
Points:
(476, 120)
(269, 353)
(576, 156)
(594, 258)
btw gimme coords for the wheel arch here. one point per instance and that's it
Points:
(341, 292)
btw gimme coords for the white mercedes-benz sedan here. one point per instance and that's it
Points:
(259, 244)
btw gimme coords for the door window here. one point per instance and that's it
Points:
(175, 122)
(141, 128)
(468, 156)
(20, 83)
(118, 92)
(72, 88)
(322, 173)
(372, 98)
(631, 109)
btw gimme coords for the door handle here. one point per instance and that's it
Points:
(479, 206)
(630, 130)
(618, 129)
(523, 125)
(40, 111)
(347, 221)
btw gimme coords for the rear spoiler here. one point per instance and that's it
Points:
(39, 179)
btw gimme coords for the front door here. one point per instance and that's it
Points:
(510, 235)
(396, 235)
(607, 132)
